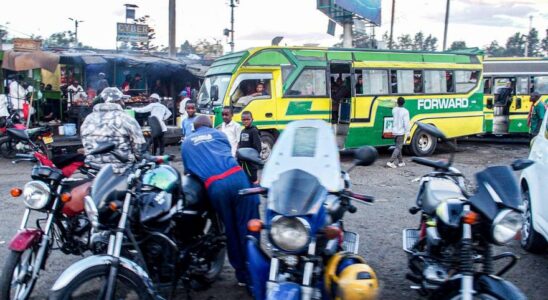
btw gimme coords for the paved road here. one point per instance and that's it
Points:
(379, 225)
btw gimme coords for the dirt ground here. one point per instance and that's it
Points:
(379, 225)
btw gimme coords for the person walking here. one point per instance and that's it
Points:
(159, 113)
(536, 114)
(187, 126)
(231, 128)
(400, 130)
(207, 154)
(250, 138)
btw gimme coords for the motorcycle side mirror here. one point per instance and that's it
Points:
(365, 156)
(432, 130)
(249, 155)
(522, 163)
(103, 148)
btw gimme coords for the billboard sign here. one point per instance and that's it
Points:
(367, 9)
(133, 33)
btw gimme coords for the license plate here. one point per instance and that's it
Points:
(47, 139)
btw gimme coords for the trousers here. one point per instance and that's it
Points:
(235, 211)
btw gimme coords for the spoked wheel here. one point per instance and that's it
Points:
(17, 281)
(92, 283)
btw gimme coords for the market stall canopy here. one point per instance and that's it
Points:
(23, 61)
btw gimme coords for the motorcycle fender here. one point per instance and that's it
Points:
(258, 264)
(499, 287)
(285, 291)
(97, 260)
(24, 239)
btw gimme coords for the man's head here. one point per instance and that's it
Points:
(184, 94)
(112, 95)
(101, 75)
(339, 81)
(360, 79)
(190, 108)
(247, 119)
(201, 121)
(137, 77)
(401, 101)
(154, 97)
(535, 96)
(227, 114)
(259, 88)
(75, 83)
(509, 84)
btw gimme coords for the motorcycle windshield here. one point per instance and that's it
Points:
(296, 193)
(497, 186)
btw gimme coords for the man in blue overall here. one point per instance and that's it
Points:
(207, 154)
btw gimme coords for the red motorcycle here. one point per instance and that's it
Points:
(60, 197)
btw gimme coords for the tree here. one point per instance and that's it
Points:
(545, 44)
(494, 49)
(418, 43)
(515, 46)
(431, 43)
(533, 46)
(404, 42)
(187, 48)
(64, 39)
(151, 36)
(457, 45)
(209, 49)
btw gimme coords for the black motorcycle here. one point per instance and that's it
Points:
(155, 231)
(450, 255)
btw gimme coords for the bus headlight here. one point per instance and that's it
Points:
(290, 234)
(506, 225)
(36, 194)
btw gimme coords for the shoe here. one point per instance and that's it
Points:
(391, 165)
(402, 164)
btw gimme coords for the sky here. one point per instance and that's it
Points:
(478, 22)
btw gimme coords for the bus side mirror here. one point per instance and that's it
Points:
(490, 103)
(518, 103)
(214, 92)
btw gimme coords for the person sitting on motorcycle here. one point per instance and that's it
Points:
(108, 123)
(207, 154)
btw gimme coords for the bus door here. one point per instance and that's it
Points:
(340, 84)
(503, 89)
(519, 108)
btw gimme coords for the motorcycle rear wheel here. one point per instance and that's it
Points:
(17, 282)
(89, 283)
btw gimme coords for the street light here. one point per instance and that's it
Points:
(76, 22)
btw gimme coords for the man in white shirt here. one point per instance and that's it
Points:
(17, 94)
(400, 130)
(231, 129)
(4, 106)
(182, 105)
(76, 92)
(161, 113)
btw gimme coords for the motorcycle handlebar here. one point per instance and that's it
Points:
(361, 197)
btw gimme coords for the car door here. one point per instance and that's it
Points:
(539, 153)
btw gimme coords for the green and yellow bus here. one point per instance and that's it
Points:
(353, 89)
(506, 111)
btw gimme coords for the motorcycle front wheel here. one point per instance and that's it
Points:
(17, 282)
(91, 283)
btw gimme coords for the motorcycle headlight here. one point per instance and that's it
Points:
(290, 234)
(506, 225)
(91, 211)
(36, 194)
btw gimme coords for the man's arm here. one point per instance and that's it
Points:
(136, 136)
(167, 113)
(143, 109)
(541, 110)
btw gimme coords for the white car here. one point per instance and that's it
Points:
(534, 187)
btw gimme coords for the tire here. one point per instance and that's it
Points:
(530, 240)
(93, 279)
(7, 148)
(11, 269)
(423, 144)
(267, 143)
(216, 267)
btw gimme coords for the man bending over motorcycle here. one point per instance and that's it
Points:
(207, 154)
(108, 123)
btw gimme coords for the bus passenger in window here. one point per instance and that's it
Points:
(308, 90)
(359, 85)
(417, 83)
(259, 90)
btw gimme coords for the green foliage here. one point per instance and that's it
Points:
(458, 45)
(64, 39)
(533, 42)
(494, 49)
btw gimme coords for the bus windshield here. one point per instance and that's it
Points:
(221, 81)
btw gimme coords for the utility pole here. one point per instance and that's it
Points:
(172, 48)
(446, 24)
(232, 5)
(527, 36)
(76, 22)
(391, 41)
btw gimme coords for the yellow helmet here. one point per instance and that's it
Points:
(348, 277)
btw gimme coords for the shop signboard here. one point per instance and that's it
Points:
(137, 33)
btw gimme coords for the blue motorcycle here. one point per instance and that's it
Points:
(305, 252)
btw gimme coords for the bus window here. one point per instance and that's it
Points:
(417, 81)
(286, 70)
(393, 81)
(375, 82)
(435, 82)
(465, 81)
(311, 82)
(250, 89)
(541, 84)
(522, 86)
(449, 81)
(404, 83)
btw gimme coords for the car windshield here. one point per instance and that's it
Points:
(221, 81)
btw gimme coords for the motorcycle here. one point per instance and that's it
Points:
(21, 141)
(11, 121)
(155, 231)
(450, 254)
(307, 252)
(61, 198)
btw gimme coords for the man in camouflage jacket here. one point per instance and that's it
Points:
(108, 123)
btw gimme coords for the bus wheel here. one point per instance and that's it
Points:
(423, 144)
(267, 142)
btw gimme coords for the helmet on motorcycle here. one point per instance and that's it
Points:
(348, 277)
(112, 95)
